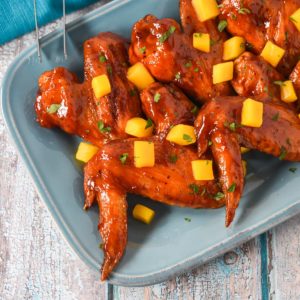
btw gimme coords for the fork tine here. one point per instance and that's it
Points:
(64, 28)
(37, 39)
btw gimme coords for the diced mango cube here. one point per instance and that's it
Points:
(143, 213)
(85, 152)
(244, 167)
(206, 9)
(222, 72)
(295, 18)
(139, 76)
(288, 93)
(101, 86)
(182, 135)
(144, 155)
(202, 169)
(234, 47)
(139, 127)
(272, 53)
(252, 113)
(244, 150)
(201, 41)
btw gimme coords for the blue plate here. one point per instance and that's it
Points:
(170, 245)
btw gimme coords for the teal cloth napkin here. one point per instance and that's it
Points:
(17, 18)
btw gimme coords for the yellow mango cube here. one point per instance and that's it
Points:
(272, 54)
(244, 150)
(244, 163)
(144, 155)
(252, 113)
(182, 135)
(206, 9)
(101, 86)
(139, 76)
(234, 47)
(139, 127)
(85, 152)
(143, 213)
(222, 72)
(203, 169)
(201, 41)
(288, 93)
(295, 18)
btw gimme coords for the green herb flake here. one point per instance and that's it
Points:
(142, 50)
(149, 124)
(123, 157)
(196, 70)
(275, 117)
(222, 25)
(102, 128)
(232, 188)
(195, 110)
(233, 16)
(218, 196)
(101, 246)
(157, 97)
(280, 83)
(109, 70)
(173, 158)
(102, 58)
(188, 220)
(187, 138)
(209, 143)
(244, 11)
(132, 92)
(53, 108)
(293, 170)
(194, 188)
(283, 153)
(188, 64)
(167, 34)
(178, 76)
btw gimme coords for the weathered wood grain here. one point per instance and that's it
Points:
(36, 263)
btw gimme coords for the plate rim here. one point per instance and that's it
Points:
(117, 278)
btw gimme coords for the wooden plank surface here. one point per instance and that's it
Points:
(36, 262)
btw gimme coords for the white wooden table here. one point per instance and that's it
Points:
(36, 262)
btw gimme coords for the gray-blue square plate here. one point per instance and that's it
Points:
(170, 245)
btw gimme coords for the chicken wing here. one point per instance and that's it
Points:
(64, 102)
(167, 106)
(170, 57)
(220, 120)
(261, 21)
(170, 181)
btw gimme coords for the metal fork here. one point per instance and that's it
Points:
(37, 38)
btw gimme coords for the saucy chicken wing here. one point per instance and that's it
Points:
(64, 102)
(219, 120)
(261, 21)
(170, 181)
(170, 56)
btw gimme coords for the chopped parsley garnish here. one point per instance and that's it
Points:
(149, 124)
(218, 196)
(212, 42)
(143, 49)
(283, 153)
(102, 127)
(187, 138)
(109, 70)
(194, 188)
(278, 82)
(233, 16)
(188, 64)
(209, 143)
(102, 58)
(132, 92)
(195, 110)
(275, 117)
(232, 188)
(53, 108)
(173, 158)
(244, 11)
(178, 76)
(167, 34)
(156, 97)
(293, 170)
(123, 158)
(222, 25)
(188, 219)
(232, 126)
(196, 70)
